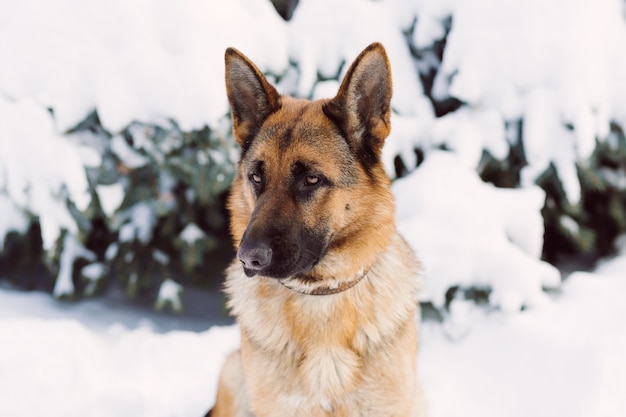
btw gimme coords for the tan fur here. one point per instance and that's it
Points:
(346, 354)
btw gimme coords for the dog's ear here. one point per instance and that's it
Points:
(252, 98)
(361, 108)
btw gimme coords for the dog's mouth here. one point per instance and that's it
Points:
(249, 272)
(301, 266)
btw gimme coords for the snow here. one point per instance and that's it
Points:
(544, 140)
(564, 357)
(161, 257)
(126, 153)
(145, 60)
(342, 30)
(12, 219)
(93, 273)
(169, 295)
(67, 369)
(467, 132)
(192, 233)
(552, 64)
(72, 250)
(141, 218)
(110, 197)
(39, 167)
(615, 267)
(494, 242)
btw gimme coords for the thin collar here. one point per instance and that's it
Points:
(309, 288)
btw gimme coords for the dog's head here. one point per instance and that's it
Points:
(310, 198)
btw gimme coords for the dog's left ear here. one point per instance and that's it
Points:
(361, 108)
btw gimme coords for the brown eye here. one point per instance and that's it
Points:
(255, 178)
(311, 180)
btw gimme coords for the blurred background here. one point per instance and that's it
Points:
(116, 149)
(507, 152)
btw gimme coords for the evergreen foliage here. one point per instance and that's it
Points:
(172, 181)
(157, 212)
(586, 230)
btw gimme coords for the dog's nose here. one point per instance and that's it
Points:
(254, 257)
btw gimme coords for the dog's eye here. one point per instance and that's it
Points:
(311, 180)
(255, 178)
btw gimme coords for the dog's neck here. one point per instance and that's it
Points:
(311, 286)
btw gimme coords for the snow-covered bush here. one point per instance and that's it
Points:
(540, 90)
(146, 195)
(470, 234)
(158, 200)
(520, 94)
(115, 138)
(508, 122)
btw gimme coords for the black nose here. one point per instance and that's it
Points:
(254, 257)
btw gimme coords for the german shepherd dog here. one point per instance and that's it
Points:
(323, 287)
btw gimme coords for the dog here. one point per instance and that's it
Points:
(323, 286)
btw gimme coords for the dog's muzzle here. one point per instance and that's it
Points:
(254, 258)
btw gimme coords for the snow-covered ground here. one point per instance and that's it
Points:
(563, 357)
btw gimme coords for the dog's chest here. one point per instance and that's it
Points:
(326, 341)
(331, 371)
(322, 352)
(316, 339)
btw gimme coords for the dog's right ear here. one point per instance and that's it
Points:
(252, 98)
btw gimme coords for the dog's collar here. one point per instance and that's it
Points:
(309, 286)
